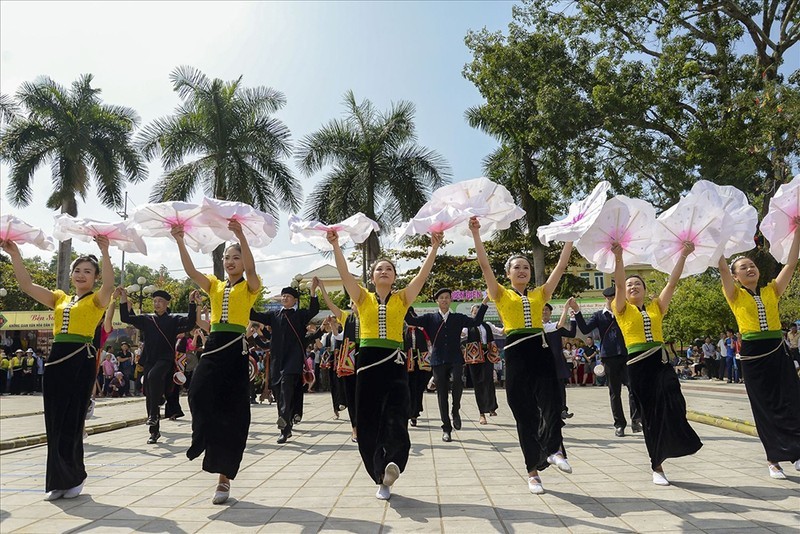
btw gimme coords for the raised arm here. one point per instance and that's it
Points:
(478, 319)
(328, 302)
(555, 277)
(492, 287)
(108, 322)
(185, 324)
(186, 261)
(103, 295)
(253, 282)
(785, 276)
(619, 279)
(348, 280)
(581, 323)
(415, 286)
(201, 319)
(36, 292)
(728, 285)
(666, 294)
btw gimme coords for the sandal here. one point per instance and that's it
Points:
(482, 420)
(222, 493)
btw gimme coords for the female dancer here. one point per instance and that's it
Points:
(652, 379)
(532, 388)
(349, 342)
(482, 373)
(70, 370)
(770, 378)
(382, 397)
(219, 394)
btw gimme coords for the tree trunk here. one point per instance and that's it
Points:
(216, 256)
(64, 257)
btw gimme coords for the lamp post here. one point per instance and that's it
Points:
(139, 290)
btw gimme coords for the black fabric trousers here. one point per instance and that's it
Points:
(173, 395)
(442, 375)
(3, 381)
(417, 383)
(617, 375)
(338, 395)
(657, 390)
(774, 391)
(67, 389)
(534, 396)
(290, 387)
(220, 406)
(483, 383)
(382, 401)
(156, 376)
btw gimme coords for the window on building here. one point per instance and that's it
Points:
(586, 277)
(599, 281)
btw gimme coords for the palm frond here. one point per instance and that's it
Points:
(188, 81)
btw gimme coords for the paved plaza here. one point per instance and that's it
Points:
(477, 483)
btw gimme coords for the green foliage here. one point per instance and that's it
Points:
(698, 309)
(789, 306)
(223, 139)
(16, 300)
(373, 165)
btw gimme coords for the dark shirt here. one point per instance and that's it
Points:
(556, 343)
(611, 341)
(446, 335)
(288, 339)
(125, 366)
(160, 332)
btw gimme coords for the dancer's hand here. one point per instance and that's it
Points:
(236, 227)
(688, 248)
(437, 238)
(9, 247)
(318, 282)
(573, 304)
(474, 225)
(178, 232)
(333, 237)
(616, 250)
(102, 243)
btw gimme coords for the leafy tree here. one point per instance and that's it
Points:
(698, 309)
(222, 137)
(41, 273)
(375, 167)
(81, 137)
(9, 110)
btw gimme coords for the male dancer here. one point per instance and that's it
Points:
(447, 362)
(614, 357)
(288, 352)
(160, 333)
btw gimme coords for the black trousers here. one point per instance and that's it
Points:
(442, 375)
(350, 394)
(483, 382)
(532, 391)
(155, 384)
(417, 382)
(617, 375)
(66, 393)
(290, 390)
(338, 395)
(382, 403)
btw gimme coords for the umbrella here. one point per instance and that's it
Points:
(20, 232)
(120, 234)
(744, 217)
(778, 226)
(698, 218)
(431, 218)
(258, 227)
(355, 228)
(579, 218)
(628, 221)
(157, 220)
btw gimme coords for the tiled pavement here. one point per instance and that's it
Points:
(476, 483)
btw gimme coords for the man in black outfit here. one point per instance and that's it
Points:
(447, 362)
(125, 362)
(614, 357)
(287, 353)
(160, 334)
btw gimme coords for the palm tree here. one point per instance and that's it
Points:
(81, 137)
(8, 109)
(376, 168)
(223, 138)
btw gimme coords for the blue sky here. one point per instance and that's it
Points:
(311, 51)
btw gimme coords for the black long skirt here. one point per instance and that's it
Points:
(483, 383)
(534, 396)
(349, 382)
(382, 402)
(417, 383)
(774, 391)
(67, 388)
(656, 388)
(220, 404)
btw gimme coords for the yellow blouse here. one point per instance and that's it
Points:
(641, 330)
(757, 315)
(382, 324)
(230, 306)
(75, 319)
(516, 316)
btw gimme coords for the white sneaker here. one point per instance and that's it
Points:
(797, 465)
(559, 461)
(535, 485)
(660, 479)
(220, 496)
(384, 492)
(73, 492)
(53, 495)
(776, 472)
(391, 474)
